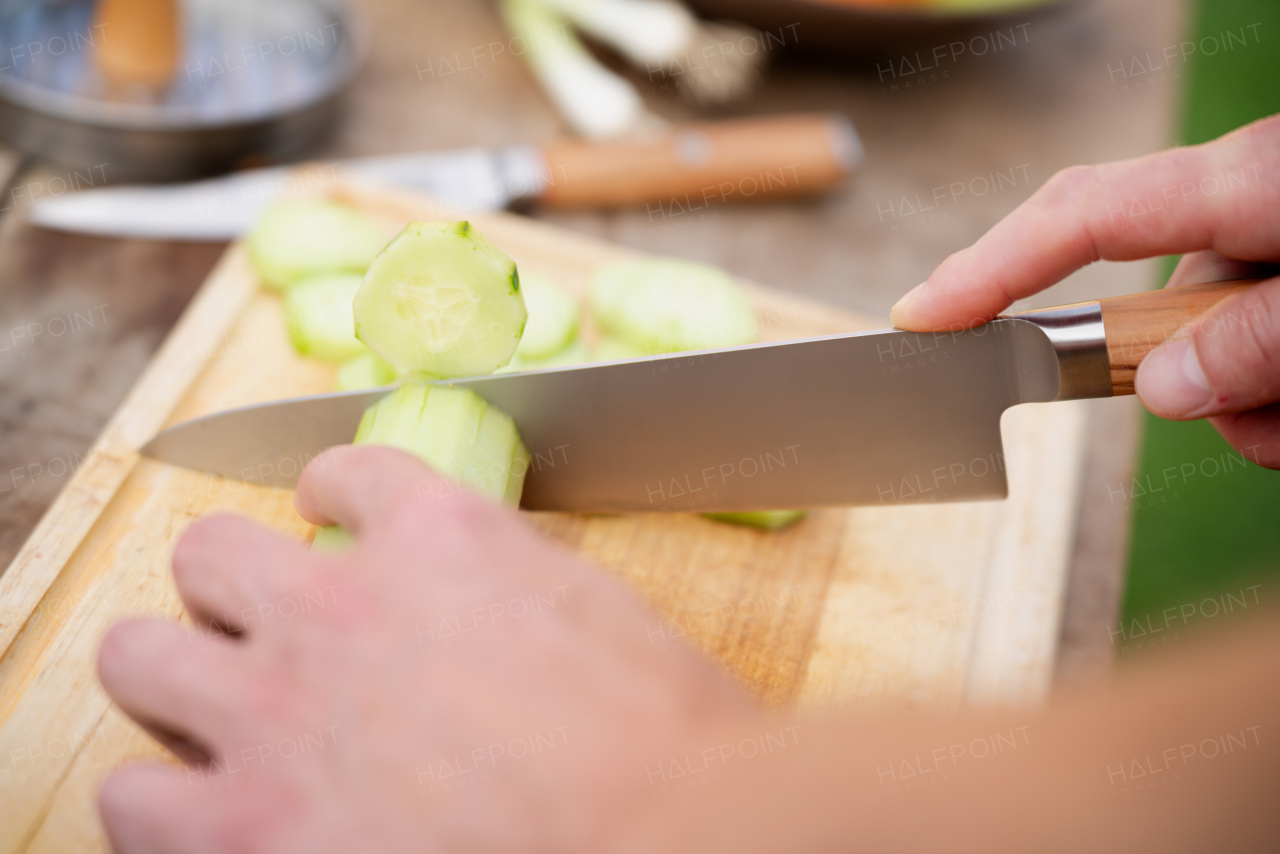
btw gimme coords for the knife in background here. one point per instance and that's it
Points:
(887, 417)
(673, 171)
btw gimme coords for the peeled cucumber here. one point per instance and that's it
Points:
(368, 370)
(332, 538)
(610, 349)
(297, 238)
(668, 305)
(319, 317)
(770, 520)
(575, 354)
(553, 318)
(455, 432)
(441, 300)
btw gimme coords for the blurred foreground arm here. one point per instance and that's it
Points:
(399, 698)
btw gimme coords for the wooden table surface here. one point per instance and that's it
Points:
(80, 316)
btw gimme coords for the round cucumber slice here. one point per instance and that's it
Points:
(368, 370)
(667, 305)
(610, 349)
(320, 318)
(297, 238)
(553, 318)
(575, 354)
(442, 301)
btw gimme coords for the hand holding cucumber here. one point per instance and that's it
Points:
(458, 683)
(1216, 202)
(465, 684)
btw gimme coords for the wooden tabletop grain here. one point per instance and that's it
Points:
(946, 157)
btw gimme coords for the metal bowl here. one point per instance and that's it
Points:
(256, 82)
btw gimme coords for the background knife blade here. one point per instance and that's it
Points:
(223, 208)
(686, 165)
(884, 417)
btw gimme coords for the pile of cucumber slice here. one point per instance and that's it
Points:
(441, 301)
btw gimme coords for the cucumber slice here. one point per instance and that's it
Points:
(667, 305)
(297, 238)
(610, 349)
(553, 318)
(575, 354)
(365, 371)
(320, 319)
(770, 520)
(441, 300)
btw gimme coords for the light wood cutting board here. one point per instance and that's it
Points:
(925, 605)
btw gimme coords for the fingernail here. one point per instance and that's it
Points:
(1170, 380)
(903, 306)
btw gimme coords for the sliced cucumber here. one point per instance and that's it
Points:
(575, 354)
(610, 349)
(668, 305)
(441, 300)
(499, 460)
(770, 520)
(332, 538)
(368, 370)
(320, 319)
(297, 238)
(553, 318)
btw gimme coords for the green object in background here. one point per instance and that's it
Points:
(769, 520)
(1212, 531)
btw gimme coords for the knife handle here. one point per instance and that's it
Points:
(1136, 324)
(693, 166)
(142, 45)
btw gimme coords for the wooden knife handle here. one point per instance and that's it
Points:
(1135, 324)
(693, 166)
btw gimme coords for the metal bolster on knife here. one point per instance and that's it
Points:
(1080, 342)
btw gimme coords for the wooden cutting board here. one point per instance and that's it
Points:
(924, 605)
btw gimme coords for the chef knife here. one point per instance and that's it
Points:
(888, 417)
(673, 173)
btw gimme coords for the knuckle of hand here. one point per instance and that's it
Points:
(1069, 185)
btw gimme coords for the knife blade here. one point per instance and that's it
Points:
(685, 168)
(885, 417)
